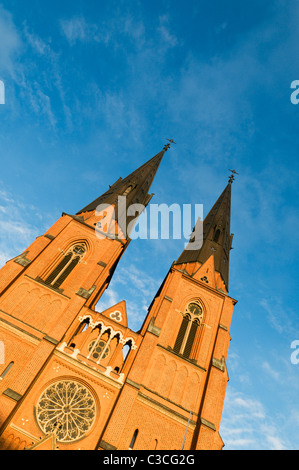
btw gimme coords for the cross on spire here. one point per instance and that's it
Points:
(167, 146)
(232, 176)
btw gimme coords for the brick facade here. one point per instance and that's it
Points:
(68, 376)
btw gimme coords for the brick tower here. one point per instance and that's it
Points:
(75, 378)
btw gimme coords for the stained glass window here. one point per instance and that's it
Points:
(67, 407)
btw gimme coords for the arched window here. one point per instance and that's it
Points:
(216, 236)
(66, 266)
(133, 441)
(192, 319)
(6, 370)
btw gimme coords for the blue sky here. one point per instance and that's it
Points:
(93, 89)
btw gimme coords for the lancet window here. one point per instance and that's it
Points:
(70, 260)
(192, 319)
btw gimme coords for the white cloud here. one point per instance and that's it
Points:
(271, 371)
(168, 38)
(77, 29)
(246, 424)
(136, 287)
(281, 318)
(10, 42)
(17, 229)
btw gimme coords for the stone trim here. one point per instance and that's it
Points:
(20, 331)
(219, 363)
(51, 340)
(12, 394)
(50, 237)
(155, 330)
(107, 446)
(101, 263)
(207, 423)
(170, 412)
(22, 260)
(134, 384)
(86, 293)
(180, 356)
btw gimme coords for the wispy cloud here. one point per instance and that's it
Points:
(271, 371)
(246, 424)
(17, 228)
(134, 285)
(280, 316)
(10, 43)
(77, 29)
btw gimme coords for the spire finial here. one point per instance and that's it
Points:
(167, 146)
(232, 176)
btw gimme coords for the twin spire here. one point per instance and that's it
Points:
(135, 186)
(217, 239)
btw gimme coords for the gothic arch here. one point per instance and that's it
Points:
(66, 260)
(191, 391)
(167, 378)
(191, 324)
(178, 385)
(157, 371)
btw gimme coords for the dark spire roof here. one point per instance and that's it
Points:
(216, 237)
(135, 186)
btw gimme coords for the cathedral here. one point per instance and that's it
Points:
(75, 378)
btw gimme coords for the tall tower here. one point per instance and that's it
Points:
(174, 392)
(44, 294)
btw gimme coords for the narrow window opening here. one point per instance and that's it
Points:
(66, 266)
(133, 441)
(216, 236)
(81, 328)
(5, 372)
(190, 339)
(181, 335)
(126, 350)
(188, 329)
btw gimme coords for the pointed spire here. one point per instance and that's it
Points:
(115, 212)
(135, 186)
(217, 239)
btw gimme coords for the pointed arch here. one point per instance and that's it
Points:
(66, 265)
(157, 371)
(133, 441)
(192, 319)
(167, 379)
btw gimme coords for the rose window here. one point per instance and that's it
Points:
(96, 349)
(68, 408)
